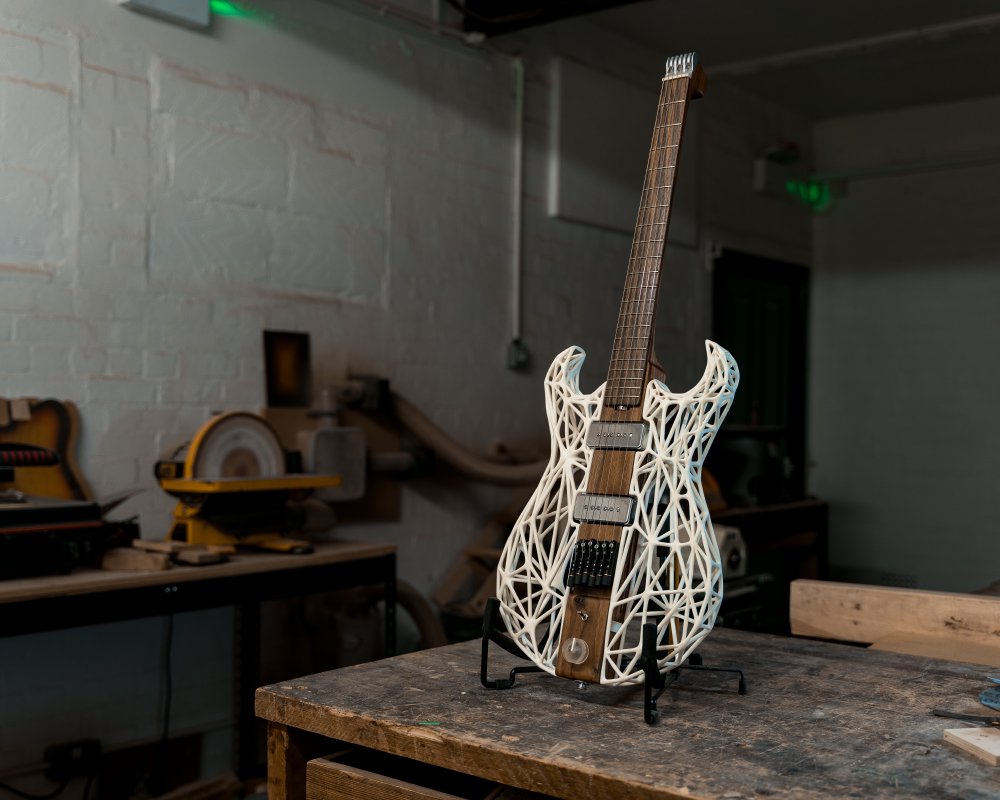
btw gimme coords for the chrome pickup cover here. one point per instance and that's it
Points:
(607, 509)
(617, 435)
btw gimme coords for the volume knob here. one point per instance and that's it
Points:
(575, 651)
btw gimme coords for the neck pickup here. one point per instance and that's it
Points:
(617, 435)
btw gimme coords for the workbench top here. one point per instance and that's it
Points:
(820, 720)
(89, 580)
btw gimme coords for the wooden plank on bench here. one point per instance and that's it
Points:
(857, 613)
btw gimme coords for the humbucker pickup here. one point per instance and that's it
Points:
(607, 509)
(617, 435)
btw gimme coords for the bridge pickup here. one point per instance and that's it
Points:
(617, 435)
(606, 509)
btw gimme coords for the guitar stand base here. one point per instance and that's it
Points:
(493, 632)
(656, 682)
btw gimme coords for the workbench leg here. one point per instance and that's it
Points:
(390, 607)
(286, 764)
(247, 681)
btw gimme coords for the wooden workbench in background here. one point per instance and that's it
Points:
(92, 596)
(821, 720)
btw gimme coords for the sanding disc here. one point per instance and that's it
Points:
(237, 445)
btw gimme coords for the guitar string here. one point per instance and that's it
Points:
(609, 406)
(630, 382)
(615, 386)
(627, 383)
(647, 300)
(628, 329)
(635, 305)
(652, 243)
(639, 315)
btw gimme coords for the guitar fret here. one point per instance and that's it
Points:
(633, 333)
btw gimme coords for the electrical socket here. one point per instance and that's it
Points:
(71, 759)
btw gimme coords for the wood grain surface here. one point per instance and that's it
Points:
(821, 720)
(855, 612)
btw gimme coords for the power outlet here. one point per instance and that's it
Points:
(72, 759)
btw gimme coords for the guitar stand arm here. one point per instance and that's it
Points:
(655, 680)
(699, 667)
(493, 632)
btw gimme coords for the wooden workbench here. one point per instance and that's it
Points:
(88, 596)
(821, 720)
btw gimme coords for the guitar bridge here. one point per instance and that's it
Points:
(607, 509)
(592, 563)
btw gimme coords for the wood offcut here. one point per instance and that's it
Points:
(959, 627)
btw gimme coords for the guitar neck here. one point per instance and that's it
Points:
(633, 343)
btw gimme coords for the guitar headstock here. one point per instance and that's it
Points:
(686, 66)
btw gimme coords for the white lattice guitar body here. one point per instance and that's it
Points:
(611, 574)
(666, 568)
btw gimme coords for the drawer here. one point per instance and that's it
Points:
(362, 774)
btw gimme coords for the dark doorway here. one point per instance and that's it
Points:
(760, 314)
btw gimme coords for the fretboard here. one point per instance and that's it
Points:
(634, 332)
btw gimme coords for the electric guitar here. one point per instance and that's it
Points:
(617, 535)
(50, 424)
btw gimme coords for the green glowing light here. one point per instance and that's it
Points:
(226, 9)
(815, 194)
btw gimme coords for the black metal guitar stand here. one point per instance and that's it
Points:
(493, 632)
(655, 681)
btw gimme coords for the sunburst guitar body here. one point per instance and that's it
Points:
(617, 535)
